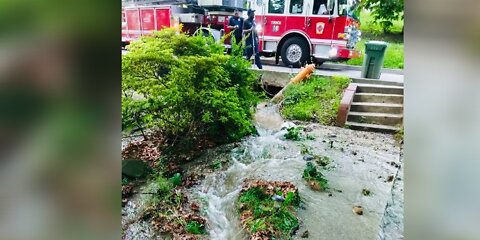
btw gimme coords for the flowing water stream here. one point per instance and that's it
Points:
(360, 160)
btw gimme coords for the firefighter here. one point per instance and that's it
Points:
(235, 24)
(251, 40)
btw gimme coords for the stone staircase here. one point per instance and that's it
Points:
(377, 106)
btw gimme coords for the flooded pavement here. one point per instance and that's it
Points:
(359, 160)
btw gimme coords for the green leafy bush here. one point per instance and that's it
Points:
(176, 180)
(262, 216)
(293, 133)
(316, 99)
(315, 178)
(187, 89)
(195, 227)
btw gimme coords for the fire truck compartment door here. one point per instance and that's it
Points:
(133, 22)
(163, 18)
(147, 20)
(320, 24)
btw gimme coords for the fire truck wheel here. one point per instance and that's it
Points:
(295, 52)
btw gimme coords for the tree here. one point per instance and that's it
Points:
(385, 11)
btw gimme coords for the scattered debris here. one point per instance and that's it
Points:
(390, 178)
(366, 192)
(315, 179)
(323, 161)
(358, 210)
(394, 164)
(143, 150)
(194, 206)
(305, 234)
(127, 191)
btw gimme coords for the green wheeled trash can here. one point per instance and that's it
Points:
(373, 61)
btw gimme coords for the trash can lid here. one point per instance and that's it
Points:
(374, 42)
(375, 45)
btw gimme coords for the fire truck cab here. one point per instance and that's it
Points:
(302, 31)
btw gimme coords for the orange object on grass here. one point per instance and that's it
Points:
(304, 73)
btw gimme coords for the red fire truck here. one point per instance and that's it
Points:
(299, 31)
(208, 16)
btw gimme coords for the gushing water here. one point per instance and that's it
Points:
(360, 160)
(327, 215)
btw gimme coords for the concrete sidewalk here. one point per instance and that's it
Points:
(279, 75)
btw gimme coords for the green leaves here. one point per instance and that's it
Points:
(185, 87)
(176, 180)
(315, 178)
(195, 227)
(385, 11)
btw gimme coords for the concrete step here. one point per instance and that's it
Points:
(375, 88)
(378, 97)
(377, 82)
(371, 127)
(377, 107)
(375, 118)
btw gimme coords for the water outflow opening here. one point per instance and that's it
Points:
(271, 90)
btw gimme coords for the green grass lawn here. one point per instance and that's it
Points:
(316, 99)
(372, 31)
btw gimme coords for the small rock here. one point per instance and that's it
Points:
(315, 186)
(358, 210)
(308, 157)
(361, 160)
(278, 198)
(330, 194)
(331, 135)
(354, 153)
(135, 168)
(305, 234)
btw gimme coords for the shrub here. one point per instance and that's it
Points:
(187, 89)
(195, 227)
(293, 133)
